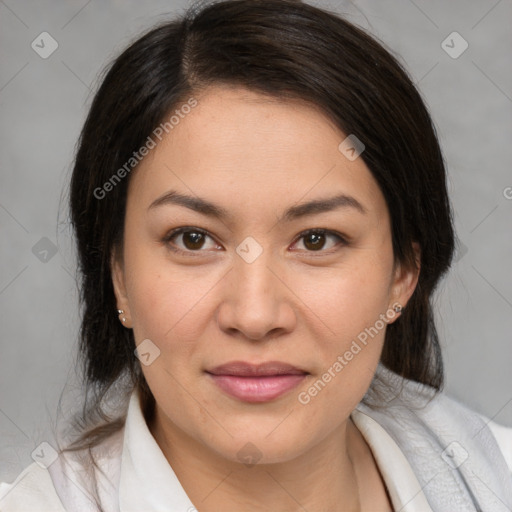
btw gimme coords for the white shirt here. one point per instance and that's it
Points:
(140, 479)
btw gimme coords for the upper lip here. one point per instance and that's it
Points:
(244, 369)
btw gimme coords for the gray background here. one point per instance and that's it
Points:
(43, 103)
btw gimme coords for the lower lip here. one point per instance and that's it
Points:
(257, 389)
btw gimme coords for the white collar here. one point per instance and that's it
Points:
(404, 489)
(148, 482)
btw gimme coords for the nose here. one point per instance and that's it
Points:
(256, 302)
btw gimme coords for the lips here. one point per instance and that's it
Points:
(256, 383)
(243, 369)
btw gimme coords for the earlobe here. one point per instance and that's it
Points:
(406, 280)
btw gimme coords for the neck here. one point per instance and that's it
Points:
(322, 478)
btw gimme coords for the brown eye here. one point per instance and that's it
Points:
(316, 240)
(189, 240)
(193, 240)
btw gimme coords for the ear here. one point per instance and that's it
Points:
(405, 280)
(118, 282)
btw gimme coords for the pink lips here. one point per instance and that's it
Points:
(256, 383)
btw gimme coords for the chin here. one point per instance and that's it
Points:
(260, 449)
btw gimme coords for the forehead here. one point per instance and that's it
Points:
(249, 151)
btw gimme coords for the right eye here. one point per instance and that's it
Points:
(190, 238)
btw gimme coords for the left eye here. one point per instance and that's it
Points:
(315, 240)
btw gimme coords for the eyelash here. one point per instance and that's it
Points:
(186, 229)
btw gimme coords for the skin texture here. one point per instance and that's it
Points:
(255, 157)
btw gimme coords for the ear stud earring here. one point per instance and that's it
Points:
(121, 312)
(397, 308)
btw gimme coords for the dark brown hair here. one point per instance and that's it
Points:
(286, 49)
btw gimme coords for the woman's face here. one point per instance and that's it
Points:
(245, 283)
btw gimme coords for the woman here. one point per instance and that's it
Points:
(261, 217)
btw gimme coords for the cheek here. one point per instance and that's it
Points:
(352, 305)
(164, 307)
(169, 304)
(349, 298)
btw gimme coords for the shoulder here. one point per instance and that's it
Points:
(476, 424)
(423, 410)
(33, 490)
(503, 436)
(75, 480)
(469, 419)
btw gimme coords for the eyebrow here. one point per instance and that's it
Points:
(209, 209)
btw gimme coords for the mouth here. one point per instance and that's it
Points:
(256, 383)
